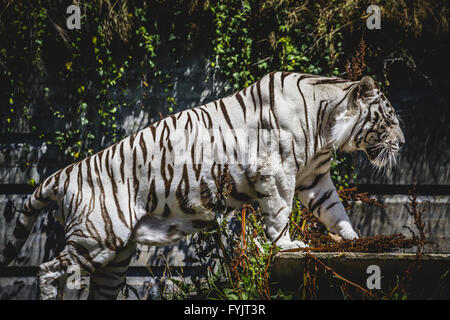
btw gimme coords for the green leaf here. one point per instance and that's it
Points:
(31, 182)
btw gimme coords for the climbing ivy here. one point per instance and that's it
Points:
(232, 42)
(253, 38)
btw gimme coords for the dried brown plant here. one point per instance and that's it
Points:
(355, 68)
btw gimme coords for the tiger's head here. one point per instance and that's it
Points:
(370, 124)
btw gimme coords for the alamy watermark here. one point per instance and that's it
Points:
(73, 281)
(374, 280)
(374, 20)
(74, 20)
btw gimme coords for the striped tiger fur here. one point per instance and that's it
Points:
(265, 143)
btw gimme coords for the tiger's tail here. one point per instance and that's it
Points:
(39, 199)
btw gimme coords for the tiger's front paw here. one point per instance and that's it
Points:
(346, 231)
(348, 235)
(292, 244)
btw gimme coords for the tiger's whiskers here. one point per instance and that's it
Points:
(385, 159)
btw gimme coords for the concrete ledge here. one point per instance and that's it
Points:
(431, 278)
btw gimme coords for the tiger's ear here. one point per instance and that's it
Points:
(366, 87)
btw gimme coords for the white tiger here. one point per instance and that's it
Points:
(167, 181)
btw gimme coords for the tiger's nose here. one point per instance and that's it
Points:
(400, 142)
(400, 139)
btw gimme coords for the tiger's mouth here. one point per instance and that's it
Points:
(381, 155)
(373, 152)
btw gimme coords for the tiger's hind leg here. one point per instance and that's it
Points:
(107, 281)
(75, 261)
(52, 276)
